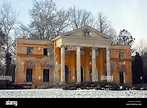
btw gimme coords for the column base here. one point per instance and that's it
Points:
(62, 83)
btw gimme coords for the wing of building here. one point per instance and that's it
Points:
(81, 55)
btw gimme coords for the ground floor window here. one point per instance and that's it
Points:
(45, 75)
(29, 75)
(82, 74)
(66, 74)
(121, 77)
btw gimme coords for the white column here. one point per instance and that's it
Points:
(94, 72)
(78, 65)
(108, 64)
(62, 64)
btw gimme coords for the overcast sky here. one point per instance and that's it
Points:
(123, 14)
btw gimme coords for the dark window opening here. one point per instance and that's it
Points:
(29, 75)
(30, 50)
(121, 55)
(46, 51)
(66, 74)
(121, 77)
(45, 75)
(82, 74)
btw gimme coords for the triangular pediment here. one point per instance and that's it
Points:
(86, 32)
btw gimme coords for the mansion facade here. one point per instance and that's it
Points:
(81, 55)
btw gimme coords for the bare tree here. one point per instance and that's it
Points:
(141, 47)
(124, 38)
(144, 58)
(46, 20)
(2, 51)
(7, 23)
(8, 20)
(80, 18)
(2, 38)
(103, 25)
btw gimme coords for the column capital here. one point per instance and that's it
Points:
(107, 48)
(62, 45)
(78, 46)
(94, 48)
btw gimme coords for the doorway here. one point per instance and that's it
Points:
(82, 74)
(66, 74)
(121, 76)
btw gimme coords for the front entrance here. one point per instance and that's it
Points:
(66, 74)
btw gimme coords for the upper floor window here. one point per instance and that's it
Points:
(82, 52)
(121, 55)
(30, 50)
(46, 51)
(67, 52)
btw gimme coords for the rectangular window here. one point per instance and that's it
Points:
(45, 75)
(121, 55)
(82, 52)
(67, 52)
(30, 50)
(29, 75)
(46, 51)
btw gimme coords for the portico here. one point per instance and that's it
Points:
(83, 47)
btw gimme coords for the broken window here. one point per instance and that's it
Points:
(45, 75)
(30, 50)
(29, 75)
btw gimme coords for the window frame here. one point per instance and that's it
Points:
(30, 78)
(30, 50)
(46, 51)
(46, 75)
(121, 55)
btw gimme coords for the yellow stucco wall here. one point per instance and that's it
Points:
(39, 62)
